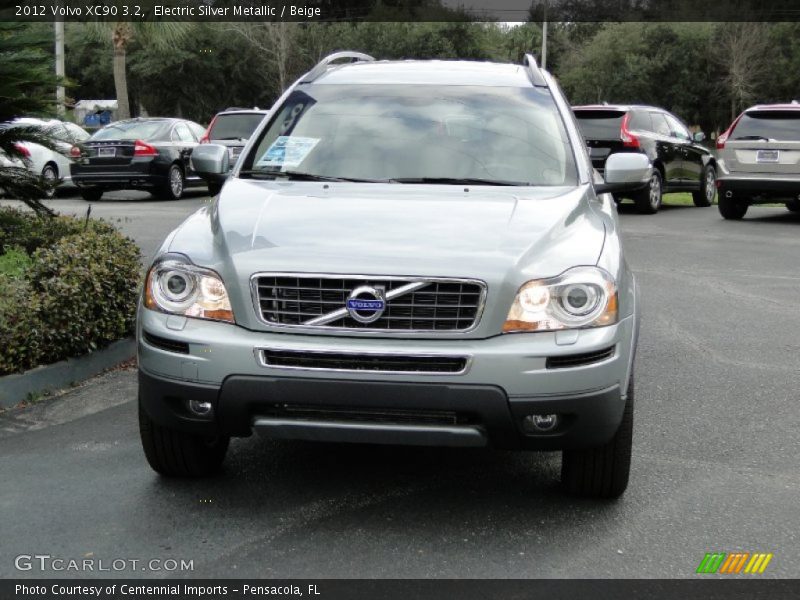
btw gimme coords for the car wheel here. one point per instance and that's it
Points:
(708, 187)
(731, 207)
(214, 188)
(179, 454)
(173, 190)
(648, 201)
(50, 177)
(602, 472)
(91, 194)
(793, 205)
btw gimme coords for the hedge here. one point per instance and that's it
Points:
(78, 293)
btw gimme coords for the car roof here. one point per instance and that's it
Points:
(783, 106)
(620, 107)
(243, 111)
(427, 72)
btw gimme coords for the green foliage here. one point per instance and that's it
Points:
(76, 293)
(14, 263)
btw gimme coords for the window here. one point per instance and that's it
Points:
(234, 126)
(782, 125)
(181, 133)
(660, 125)
(640, 121)
(677, 128)
(600, 124)
(381, 132)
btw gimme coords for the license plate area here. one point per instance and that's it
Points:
(106, 152)
(768, 156)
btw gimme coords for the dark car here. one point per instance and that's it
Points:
(231, 128)
(149, 154)
(682, 163)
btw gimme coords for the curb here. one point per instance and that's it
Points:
(47, 378)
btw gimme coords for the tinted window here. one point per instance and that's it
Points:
(660, 125)
(418, 131)
(677, 128)
(198, 130)
(235, 126)
(134, 130)
(640, 121)
(774, 125)
(600, 124)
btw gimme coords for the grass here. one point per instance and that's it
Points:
(685, 199)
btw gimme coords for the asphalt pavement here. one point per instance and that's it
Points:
(715, 467)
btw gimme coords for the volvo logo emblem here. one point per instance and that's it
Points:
(366, 303)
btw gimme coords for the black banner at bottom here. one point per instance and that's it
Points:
(401, 589)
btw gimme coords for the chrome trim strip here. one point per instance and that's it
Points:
(342, 312)
(261, 360)
(389, 332)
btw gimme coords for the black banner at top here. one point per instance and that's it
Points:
(399, 10)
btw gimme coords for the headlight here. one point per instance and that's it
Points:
(182, 289)
(581, 297)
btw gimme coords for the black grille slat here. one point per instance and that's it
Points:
(440, 305)
(579, 360)
(364, 362)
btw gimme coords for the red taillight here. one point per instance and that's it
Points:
(23, 150)
(141, 148)
(628, 139)
(75, 152)
(727, 133)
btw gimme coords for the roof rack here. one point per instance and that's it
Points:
(534, 72)
(322, 65)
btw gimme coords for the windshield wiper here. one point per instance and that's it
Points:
(460, 181)
(301, 176)
(751, 137)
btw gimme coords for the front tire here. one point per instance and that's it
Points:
(214, 188)
(173, 189)
(175, 453)
(731, 208)
(708, 187)
(602, 472)
(648, 201)
(793, 205)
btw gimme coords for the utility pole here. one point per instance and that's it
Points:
(60, 92)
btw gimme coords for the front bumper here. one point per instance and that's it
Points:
(508, 378)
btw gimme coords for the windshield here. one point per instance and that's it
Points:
(236, 126)
(768, 124)
(417, 133)
(133, 130)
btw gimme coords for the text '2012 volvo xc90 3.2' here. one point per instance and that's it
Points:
(412, 252)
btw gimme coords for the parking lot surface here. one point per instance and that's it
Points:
(715, 467)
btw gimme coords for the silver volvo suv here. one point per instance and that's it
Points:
(407, 252)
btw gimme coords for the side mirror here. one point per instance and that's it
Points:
(699, 136)
(211, 162)
(625, 172)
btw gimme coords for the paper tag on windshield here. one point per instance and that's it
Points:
(287, 152)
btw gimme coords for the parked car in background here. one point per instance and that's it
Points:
(231, 128)
(52, 165)
(149, 154)
(681, 163)
(407, 252)
(759, 159)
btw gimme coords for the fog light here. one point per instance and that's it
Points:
(200, 408)
(539, 423)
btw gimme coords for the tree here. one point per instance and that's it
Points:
(27, 82)
(742, 51)
(161, 36)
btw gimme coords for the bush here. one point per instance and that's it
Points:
(76, 293)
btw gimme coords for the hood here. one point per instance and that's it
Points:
(394, 229)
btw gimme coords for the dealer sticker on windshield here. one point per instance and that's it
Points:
(287, 151)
